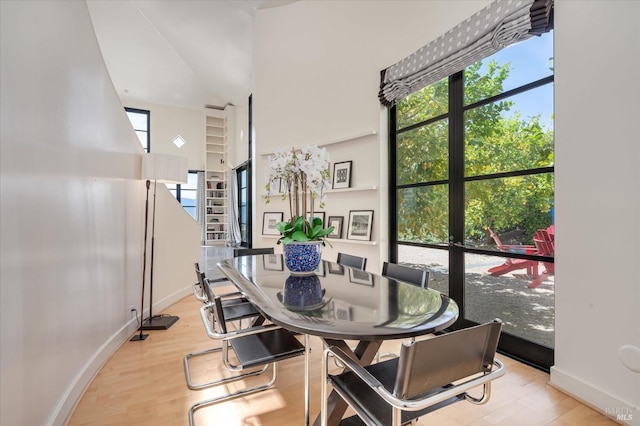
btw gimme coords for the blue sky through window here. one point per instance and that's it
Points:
(530, 61)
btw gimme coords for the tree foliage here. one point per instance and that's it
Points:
(497, 140)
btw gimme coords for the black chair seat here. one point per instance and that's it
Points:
(372, 405)
(265, 348)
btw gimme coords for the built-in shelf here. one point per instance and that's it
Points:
(335, 141)
(334, 191)
(357, 188)
(217, 133)
(332, 240)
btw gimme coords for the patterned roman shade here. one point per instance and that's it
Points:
(494, 27)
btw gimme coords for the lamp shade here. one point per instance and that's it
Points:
(164, 168)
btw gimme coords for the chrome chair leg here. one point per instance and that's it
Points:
(198, 386)
(212, 401)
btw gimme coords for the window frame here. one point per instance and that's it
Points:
(528, 352)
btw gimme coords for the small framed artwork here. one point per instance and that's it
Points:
(341, 311)
(272, 262)
(342, 175)
(336, 222)
(360, 277)
(316, 214)
(335, 268)
(269, 221)
(360, 224)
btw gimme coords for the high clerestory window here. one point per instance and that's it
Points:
(140, 120)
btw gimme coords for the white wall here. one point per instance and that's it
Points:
(71, 216)
(597, 64)
(317, 69)
(317, 76)
(167, 122)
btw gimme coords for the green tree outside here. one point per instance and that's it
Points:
(496, 141)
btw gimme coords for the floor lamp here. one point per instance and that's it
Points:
(161, 168)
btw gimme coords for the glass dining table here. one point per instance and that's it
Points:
(339, 303)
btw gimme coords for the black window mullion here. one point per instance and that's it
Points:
(456, 189)
(393, 190)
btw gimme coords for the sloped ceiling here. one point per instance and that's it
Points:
(189, 53)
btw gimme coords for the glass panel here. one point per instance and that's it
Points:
(510, 135)
(192, 182)
(509, 68)
(423, 154)
(516, 206)
(191, 211)
(423, 214)
(526, 312)
(142, 137)
(424, 104)
(138, 120)
(434, 260)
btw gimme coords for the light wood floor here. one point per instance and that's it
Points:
(144, 384)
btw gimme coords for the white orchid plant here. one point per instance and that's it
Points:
(303, 176)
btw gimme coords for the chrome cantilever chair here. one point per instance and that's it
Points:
(199, 286)
(235, 309)
(352, 261)
(257, 346)
(419, 277)
(428, 375)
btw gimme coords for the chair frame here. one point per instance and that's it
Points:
(445, 395)
(237, 306)
(214, 309)
(239, 252)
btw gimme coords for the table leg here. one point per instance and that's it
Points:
(364, 353)
(307, 381)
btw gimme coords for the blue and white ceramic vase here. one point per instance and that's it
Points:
(302, 258)
(302, 291)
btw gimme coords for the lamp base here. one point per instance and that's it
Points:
(159, 322)
(138, 337)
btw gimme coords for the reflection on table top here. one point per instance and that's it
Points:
(339, 302)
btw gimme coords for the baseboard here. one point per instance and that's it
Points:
(70, 399)
(163, 304)
(609, 406)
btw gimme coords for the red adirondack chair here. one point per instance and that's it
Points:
(545, 245)
(514, 264)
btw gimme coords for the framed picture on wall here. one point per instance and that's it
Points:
(360, 277)
(269, 221)
(272, 262)
(341, 311)
(360, 224)
(335, 268)
(342, 175)
(336, 222)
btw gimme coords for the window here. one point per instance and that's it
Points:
(243, 203)
(140, 120)
(473, 156)
(186, 193)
